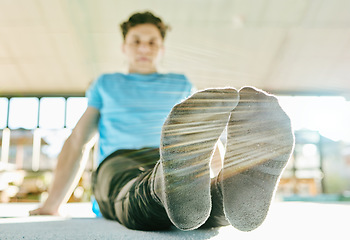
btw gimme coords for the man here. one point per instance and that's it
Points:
(155, 173)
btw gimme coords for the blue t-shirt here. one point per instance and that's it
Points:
(133, 108)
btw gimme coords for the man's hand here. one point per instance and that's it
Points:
(43, 211)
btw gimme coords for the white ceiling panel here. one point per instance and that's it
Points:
(295, 46)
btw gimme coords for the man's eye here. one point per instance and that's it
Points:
(137, 42)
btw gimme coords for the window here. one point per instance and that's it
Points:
(38, 128)
(52, 112)
(329, 116)
(23, 113)
(75, 109)
(3, 112)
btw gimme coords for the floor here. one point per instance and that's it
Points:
(286, 220)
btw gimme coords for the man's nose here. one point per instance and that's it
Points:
(144, 47)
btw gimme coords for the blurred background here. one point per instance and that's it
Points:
(299, 50)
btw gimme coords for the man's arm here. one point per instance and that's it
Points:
(70, 165)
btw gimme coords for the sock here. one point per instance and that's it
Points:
(259, 144)
(189, 136)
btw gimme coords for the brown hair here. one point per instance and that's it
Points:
(142, 18)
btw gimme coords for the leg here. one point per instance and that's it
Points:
(259, 144)
(121, 188)
(137, 209)
(189, 136)
(217, 216)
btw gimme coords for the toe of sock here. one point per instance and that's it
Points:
(246, 203)
(249, 217)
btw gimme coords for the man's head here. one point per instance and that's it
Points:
(143, 18)
(143, 42)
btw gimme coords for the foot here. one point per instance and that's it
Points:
(259, 144)
(189, 136)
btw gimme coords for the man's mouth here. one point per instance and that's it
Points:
(143, 59)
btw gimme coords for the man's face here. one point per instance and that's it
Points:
(143, 47)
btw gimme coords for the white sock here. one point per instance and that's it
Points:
(259, 144)
(189, 136)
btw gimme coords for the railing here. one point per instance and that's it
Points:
(42, 114)
(36, 150)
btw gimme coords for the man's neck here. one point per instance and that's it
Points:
(143, 71)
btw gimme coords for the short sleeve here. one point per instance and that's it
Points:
(190, 88)
(93, 94)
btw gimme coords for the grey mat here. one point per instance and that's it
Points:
(287, 220)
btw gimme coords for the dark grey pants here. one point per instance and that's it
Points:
(121, 185)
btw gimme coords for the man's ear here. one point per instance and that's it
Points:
(162, 50)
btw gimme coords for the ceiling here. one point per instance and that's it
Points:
(289, 46)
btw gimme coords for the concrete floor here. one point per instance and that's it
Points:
(286, 220)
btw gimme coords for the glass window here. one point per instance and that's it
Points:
(76, 106)
(52, 112)
(327, 115)
(3, 112)
(23, 113)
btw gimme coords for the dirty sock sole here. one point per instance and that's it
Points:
(259, 144)
(189, 136)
